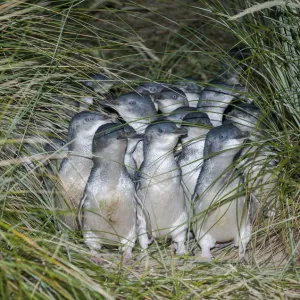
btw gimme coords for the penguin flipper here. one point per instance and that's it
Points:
(144, 212)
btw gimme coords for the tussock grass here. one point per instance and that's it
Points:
(47, 48)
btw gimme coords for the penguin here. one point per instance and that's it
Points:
(55, 145)
(215, 98)
(161, 210)
(220, 211)
(151, 89)
(234, 65)
(244, 117)
(179, 113)
(99, 83)
(76, 167)
(129, 161)
(138, 111)
(170, 98)
(257, 164)
(191, 89)
(108, 205)
(190, 161)
(135, 109)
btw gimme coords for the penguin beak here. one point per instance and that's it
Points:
(159, 97)
(180, 131)
(136, 136)
(112, 104)
(140, 90)
(242, 135)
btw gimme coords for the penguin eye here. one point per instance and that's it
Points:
(174, 96)
(221, 136)
(132, 102)
(160, 130)
(88, 119)
(152, 89)
(184, 84)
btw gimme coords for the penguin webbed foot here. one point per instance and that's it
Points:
(96, 259)
(127, 257)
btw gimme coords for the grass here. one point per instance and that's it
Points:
(47, 48)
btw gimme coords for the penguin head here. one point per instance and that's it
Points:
(84, 125)
(235, 63)
(179, 113)
(224, 140)
(197, 118)
(197, 124)
(131, 133)
(163, 134)
(54, 144)
(110, 137)
(133, 138)
(171, 98)
(244, 117)
(99, 83)
(134, 106)
(149, 88)
(188, 86)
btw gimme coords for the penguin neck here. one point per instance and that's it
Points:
(215, 169)
(81, 147)
(110, 159)
(153, 155)
(138, 125)
(132, 144)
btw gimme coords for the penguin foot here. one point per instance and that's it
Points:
(127, 257)
(223, 245)
(98, 260)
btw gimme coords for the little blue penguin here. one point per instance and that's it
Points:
(234, 65)
(244, 117)
(215, 98)
(220, 214)
(76, 167)
(133, 140)
(257, 163)
(138, 111)
(99, 83)
(170, 98)
(161, 204)
(55, 145)
(179, 113)
(151, 89)
(191, 89)
(197, 125)
(108, 205)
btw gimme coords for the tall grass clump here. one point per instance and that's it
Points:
(48, 48)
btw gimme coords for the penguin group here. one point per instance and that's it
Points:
(170, 159)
